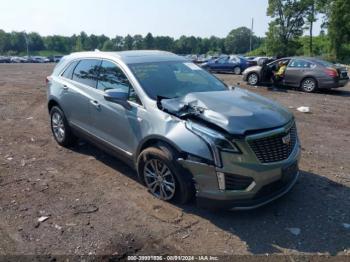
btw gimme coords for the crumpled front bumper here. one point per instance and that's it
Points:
(265, 188)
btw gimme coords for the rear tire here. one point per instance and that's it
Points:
(151, 162)
(237, 70)
(60, 128)
(308, 85)
(253, 79)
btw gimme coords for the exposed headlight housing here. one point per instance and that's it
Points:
(215, 140)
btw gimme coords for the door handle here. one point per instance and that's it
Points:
(95, 103)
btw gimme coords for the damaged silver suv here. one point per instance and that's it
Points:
(185, 132)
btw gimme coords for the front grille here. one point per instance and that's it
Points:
(274, 148)
(236, 182)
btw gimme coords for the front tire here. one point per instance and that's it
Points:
(164, 178)
(308, 85)
(253, 79)
(60, 128)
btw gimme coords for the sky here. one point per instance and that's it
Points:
(173, 18)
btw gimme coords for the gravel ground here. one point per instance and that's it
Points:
(94, 204)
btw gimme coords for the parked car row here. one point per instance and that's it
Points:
(30, 59)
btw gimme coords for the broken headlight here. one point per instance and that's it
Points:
(215, 140)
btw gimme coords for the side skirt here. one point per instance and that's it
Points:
(104, 146)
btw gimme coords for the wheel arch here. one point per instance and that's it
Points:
(155, 140)
(51, 103)
(306, 77)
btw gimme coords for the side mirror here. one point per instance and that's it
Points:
(118, 97)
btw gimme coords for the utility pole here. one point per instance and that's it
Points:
(312, 20)
(251, 35)
(27, 42)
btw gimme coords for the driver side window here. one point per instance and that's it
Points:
(112, 77)
(222, 61)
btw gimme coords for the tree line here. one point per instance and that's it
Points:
(289, 33)
(237, 42)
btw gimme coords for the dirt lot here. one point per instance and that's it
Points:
(96, 206)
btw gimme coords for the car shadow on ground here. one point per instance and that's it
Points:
(313, 217)
(337, 92)
(86, 148)
(284, 89)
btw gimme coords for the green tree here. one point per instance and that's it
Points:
(138, 42)
(286, 26)
(17, 42)
(78, 44)
(310, 20)
(118, 43)
(128, 42)
(148, 41)
(4, 42)
(108, 45)
(339, 29)
(164, 43)
(238, 41)
(36, 42)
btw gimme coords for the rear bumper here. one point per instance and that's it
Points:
(333, 83)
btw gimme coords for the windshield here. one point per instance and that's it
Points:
(174, 79)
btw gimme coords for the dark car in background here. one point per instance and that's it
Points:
(4, 59)
(229, 64)
(39, 59)
(308, 74)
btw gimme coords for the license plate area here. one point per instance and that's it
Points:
(289, 172)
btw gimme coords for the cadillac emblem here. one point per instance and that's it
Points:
(286, 139)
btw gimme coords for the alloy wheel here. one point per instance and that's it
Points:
(58, 126)
(159, 179)
(253, 79)
(309, 85)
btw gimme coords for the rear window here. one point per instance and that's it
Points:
(324, 63)
(86, 72)
(298, 63)
(68, 73)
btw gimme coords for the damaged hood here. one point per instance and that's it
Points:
(235, 111)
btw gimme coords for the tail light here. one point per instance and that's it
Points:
(331, 72)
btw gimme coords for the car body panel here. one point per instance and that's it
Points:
(236, 111)
(130, 129)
